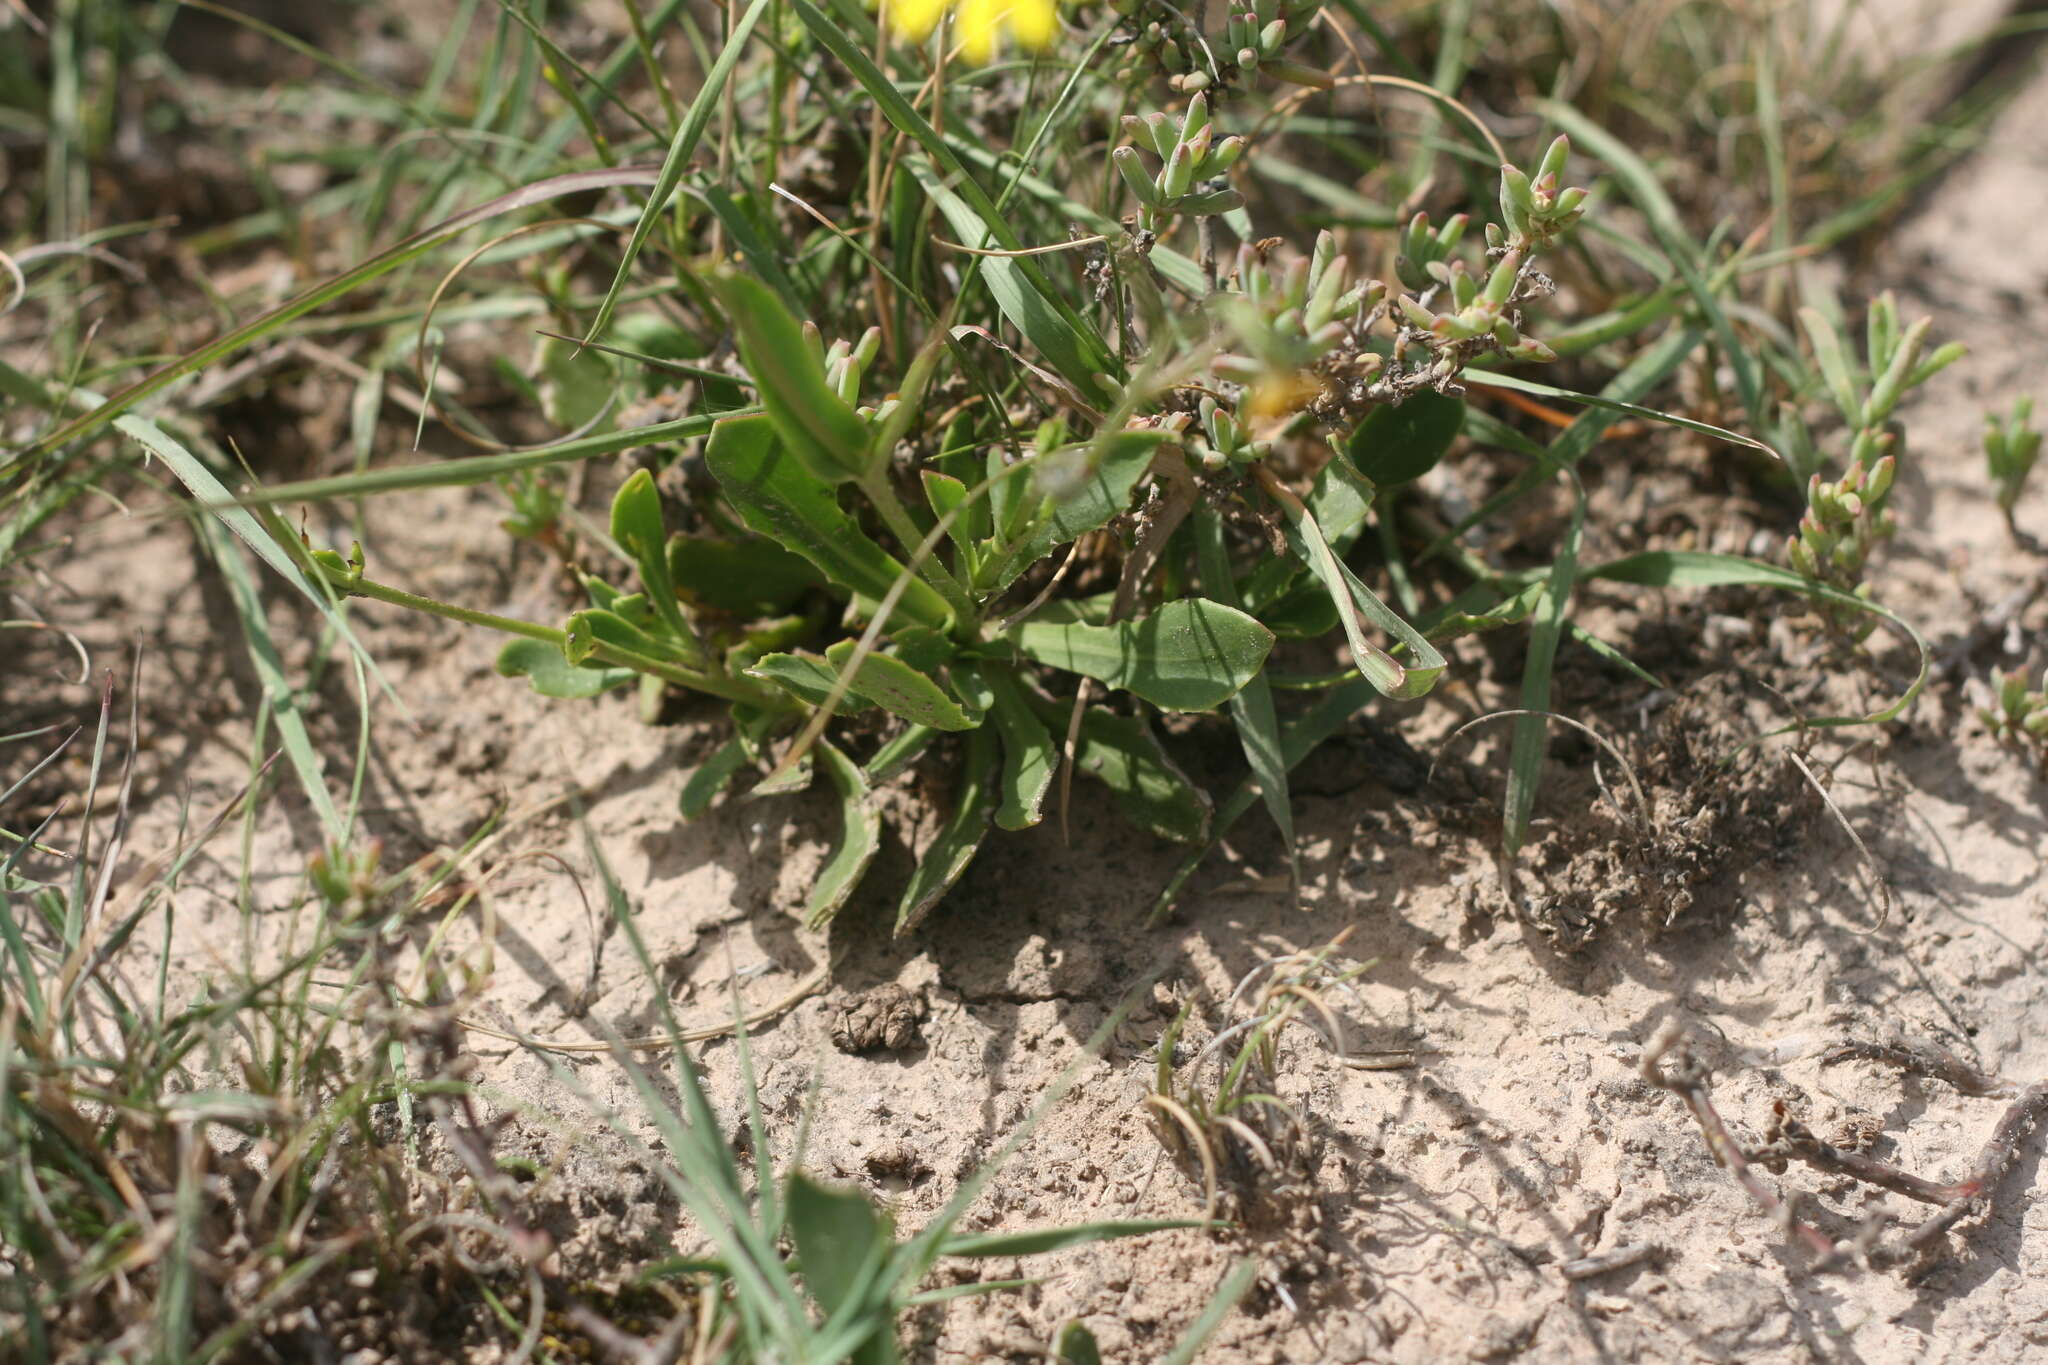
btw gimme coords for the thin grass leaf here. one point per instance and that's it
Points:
(1298, 738)
(280, 700)
(411, 249)
(1703, 569)
(1835, 366)
(1642, 374)
(1234, 1287)
(1525, 758)
(201, 483)
(1093, 357)
(473, 469)
(1038, 1241)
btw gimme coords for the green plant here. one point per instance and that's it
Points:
(1036, 471)
(2011, 448)
(782, 564)
(1221, 1114)
(1846, 518)
(173, 1173)
(2017, 715)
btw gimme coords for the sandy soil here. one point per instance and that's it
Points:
(1442, 1197)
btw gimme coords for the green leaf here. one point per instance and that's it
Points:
(899, 753)
(794, 778)
(575, 384)
(1455, 621)
(1029, 753)
(960, 839)
(711, 777)
(680, 149)
(593, 624)
(1122, 754)
(815, 423)
(1835, 365)
(860, 836)
(1037, 1241)
(776, 497)
(551, 674)
(1084, 487)
(807, 677)
(1077, 355)
(1076, 1346)
(1340, 500)
(753, 577)
(637, 526)
(839, 1237)
(1190, 655)
(1402, 442)
(1359, 606)
(947, 496)
(895, 686)
(1258, 724)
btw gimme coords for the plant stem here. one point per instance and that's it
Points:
(717, 684)
(883, 495)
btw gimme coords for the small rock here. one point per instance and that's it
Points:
(887, 1018)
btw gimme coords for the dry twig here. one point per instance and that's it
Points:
(1670, 1065)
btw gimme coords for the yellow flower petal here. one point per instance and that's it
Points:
(979, 23)
(915, 19)
(1035, 22)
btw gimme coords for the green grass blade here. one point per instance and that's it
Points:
(680, 149)
(1298, 738)
(279, 697)
(411, 249)
(1704, 569)
(1096, 355)
(1639, 377)
(1234, 1286)
(1037, 1241)
(214, 496)
(1525, 760)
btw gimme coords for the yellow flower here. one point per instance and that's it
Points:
(980, 23)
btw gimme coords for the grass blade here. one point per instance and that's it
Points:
(1525, 760)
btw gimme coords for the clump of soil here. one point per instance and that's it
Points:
(1711, 802)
